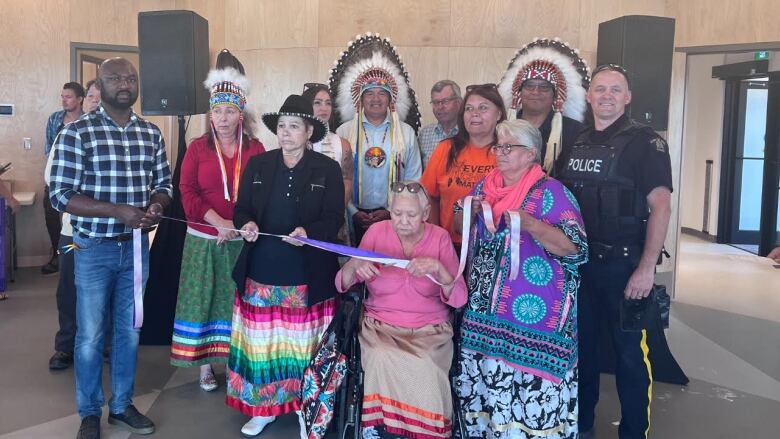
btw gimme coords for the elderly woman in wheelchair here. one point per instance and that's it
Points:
(406, 334)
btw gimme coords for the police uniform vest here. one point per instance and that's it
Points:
(614, 210)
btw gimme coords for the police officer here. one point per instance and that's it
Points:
(620, 172)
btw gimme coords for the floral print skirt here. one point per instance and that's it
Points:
(273, 337)
(499, 401)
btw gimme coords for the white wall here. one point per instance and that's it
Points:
(702, 140)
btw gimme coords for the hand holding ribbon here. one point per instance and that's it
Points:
(250, 231)
(299, 232)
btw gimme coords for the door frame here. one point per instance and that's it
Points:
(733, 75)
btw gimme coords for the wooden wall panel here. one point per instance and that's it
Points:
(325, 59)
(708, 22)
(275, 74)
(406, 22)
(425, 65)
(266, 24)
(110, 22)
(509, 23)
(475, 65)
(34, 57)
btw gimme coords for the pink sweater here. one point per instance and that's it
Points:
(398, 298)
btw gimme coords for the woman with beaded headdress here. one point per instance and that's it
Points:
(210, 175)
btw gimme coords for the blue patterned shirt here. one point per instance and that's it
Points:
(53, 126)
(374, 188)
(430, 136)
(99, 159)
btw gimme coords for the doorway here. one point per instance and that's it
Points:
(748, 216)
(748, 162)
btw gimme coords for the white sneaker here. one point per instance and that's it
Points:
(302, 425)
(256, 425)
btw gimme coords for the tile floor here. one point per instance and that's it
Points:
(725, 332)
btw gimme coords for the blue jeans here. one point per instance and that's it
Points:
(104, 284)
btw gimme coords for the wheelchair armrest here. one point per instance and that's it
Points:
(356, 293)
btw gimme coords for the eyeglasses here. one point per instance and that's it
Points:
(117, 79)
(504, 148)
(470, 88)
(481, 109)
(309, 85)
(541, 87)
(444, 101)
(413, 187)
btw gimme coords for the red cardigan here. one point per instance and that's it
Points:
(201, 181)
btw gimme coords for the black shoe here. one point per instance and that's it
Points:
(132, 420)
(90, 428)
(52, 267)
(60, 360)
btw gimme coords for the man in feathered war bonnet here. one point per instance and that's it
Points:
(374, 97)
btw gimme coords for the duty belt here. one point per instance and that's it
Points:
(600, 251)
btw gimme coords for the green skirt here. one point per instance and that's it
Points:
(201, 329)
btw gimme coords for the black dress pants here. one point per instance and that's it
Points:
(599, 301)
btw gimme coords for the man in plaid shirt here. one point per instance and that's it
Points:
(445, 101)
(110, 172)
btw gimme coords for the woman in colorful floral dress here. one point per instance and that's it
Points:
(518, 356)
(285, 296)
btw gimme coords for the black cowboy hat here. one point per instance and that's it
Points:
(297, 106)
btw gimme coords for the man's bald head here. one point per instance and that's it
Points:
(118, 83)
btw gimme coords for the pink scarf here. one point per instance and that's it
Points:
(503, 198)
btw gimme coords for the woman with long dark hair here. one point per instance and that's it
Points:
(332, 145)
(459, 163)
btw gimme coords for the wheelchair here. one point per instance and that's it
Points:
(350, 395)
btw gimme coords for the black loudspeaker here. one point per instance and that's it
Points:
(174, 58)
(643, 45)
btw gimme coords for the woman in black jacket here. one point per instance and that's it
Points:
(285, 296)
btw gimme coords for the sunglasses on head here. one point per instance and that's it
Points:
(611, 68)
(470, 88)
(412, 187)
(309, 85)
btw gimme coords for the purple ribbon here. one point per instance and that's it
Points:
(138, 280)
(353, 252)
(515, 223)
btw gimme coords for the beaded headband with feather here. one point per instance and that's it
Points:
(227, 87)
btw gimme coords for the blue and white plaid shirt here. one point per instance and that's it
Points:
(97, 158)
(52, 128)
(430, 136)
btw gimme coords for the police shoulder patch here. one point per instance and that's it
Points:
(659, 144)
